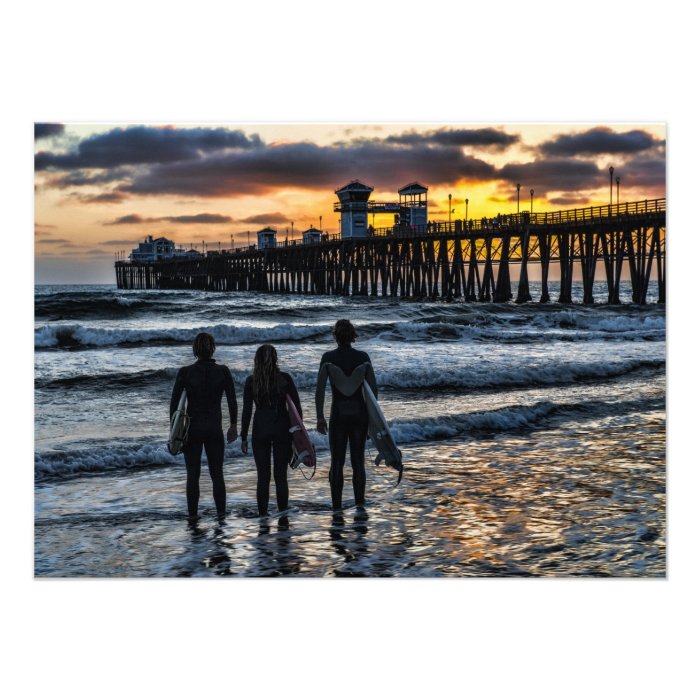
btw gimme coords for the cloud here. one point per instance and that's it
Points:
(55, 241)
(48, 130)
(119, 241)
(185, 219)
(136, 145)
(113, 197)
(82, 178)
(566, 201)
(646, 172)
(494, 139)
(555, 175)
(273, 218)
(309, 166)
(598, 141)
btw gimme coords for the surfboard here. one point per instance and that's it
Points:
(179, 426)
(303, 451)
(380, 434)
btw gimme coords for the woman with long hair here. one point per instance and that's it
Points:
(267, 390)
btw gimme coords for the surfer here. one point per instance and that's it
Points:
(267, 388)
(347, 369)
(205, 383)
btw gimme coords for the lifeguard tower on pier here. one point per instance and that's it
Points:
(353, 201)
(411, 211)
(311, 235)
(267, 238)
(413, 202)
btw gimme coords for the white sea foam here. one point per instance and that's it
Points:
(76, 334)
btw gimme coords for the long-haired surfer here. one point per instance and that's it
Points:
(205, 383)
(267, 390)
(347, 369)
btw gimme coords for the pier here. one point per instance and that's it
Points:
(475, 261)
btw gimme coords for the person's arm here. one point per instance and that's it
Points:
(178, 388)
(372, 379)
(247, 409)
(230, 390)
(292, 391)
(321, 381)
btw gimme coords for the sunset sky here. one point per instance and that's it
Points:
(101, 188)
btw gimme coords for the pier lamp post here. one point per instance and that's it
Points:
(466, 209)
(518, 188)
(617, 181)
(292, 230)
(248, 235)
(449, 212)
(611, 170)
(320, 223)
(532, 194)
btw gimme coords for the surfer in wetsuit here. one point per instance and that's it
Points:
(348, 419)
(267, 389)
(205, 383)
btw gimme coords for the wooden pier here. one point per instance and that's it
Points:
(469, 260)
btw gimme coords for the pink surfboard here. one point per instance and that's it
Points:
(303, 451)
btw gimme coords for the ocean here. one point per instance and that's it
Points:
(533, 437)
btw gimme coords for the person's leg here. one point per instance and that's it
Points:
(262, 453)
(214, 447)
(282, 452)
(193, 461)
(358, 440)
(338, 441)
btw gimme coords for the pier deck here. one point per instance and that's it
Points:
(471, 260)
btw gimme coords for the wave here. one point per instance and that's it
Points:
(472, 377)
(540, 329)
(102, 459)
(76, 335)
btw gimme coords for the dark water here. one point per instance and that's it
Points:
(534, 439)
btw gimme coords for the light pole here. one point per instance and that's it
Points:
(518, 188)
(532, 194)
(466, 209)
(292, 230)
(248, 235)
(449, 212)
(320, 223)
(612, 170)
(617, 180)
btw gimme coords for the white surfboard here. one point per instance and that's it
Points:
(380, 434)
(179, 426)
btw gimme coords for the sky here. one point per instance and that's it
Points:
(100, 188)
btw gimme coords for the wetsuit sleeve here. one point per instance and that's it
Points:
(247, 407)
(292, 391)
(230, 390)
(321, 390)
(178, 388)
(372, 380)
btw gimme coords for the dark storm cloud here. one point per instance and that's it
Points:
(47, 130)
(309, 166)
(553, 175)
(643, 172)
(494, 139)
(185, 219)
(599, 141)
(570, 201)
(137, 145)
(274, 218)
(82, 178)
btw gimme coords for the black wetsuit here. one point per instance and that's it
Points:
(272, 441)
(348, 424)
(205, 383)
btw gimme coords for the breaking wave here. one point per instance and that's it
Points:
(102, 459)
